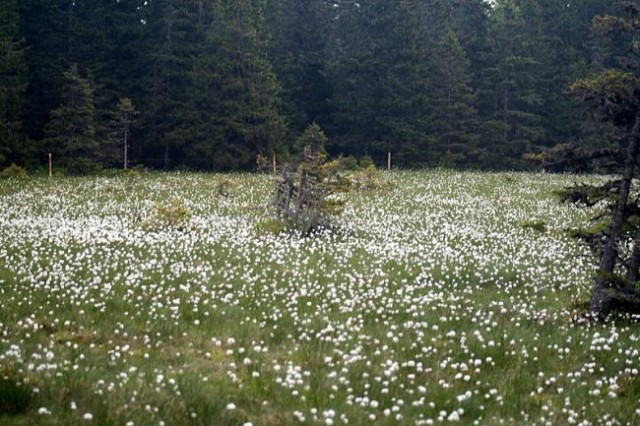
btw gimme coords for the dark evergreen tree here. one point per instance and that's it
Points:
(381, 82)
(12, 85)
(71, 132)
(562, 44)
(234, 103)
(614, 97)
(172, 33)
(602, 51)
(299, 51)
(455, 117)
(512, 126)
(45, 26)
(469, 19)
(106, 38)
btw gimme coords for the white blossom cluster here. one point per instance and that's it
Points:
(431, 303)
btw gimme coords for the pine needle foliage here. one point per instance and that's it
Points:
(305, 196)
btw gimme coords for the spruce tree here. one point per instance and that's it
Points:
(299, 50)
(514, 126)
(170, 26)
(234, 102)
(45, 26)
(381, 73)
(106, 38)
(12, 85)
(614, 96)
(71, 130)
(455, 117)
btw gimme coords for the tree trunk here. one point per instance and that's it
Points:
(602, 299)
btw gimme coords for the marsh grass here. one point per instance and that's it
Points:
(431, 303)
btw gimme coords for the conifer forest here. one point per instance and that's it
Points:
(209, 85)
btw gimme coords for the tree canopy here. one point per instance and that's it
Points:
(470, 84)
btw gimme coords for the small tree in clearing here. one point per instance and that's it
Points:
(71, 131)
(303, 194)
(124, 117)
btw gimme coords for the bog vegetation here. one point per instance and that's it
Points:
(420, 297)
(436, 297)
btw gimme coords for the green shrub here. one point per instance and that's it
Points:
(366, 161)
(132, 173)
(367, 179)
(350, 163)
(171, 215)
(14, 171)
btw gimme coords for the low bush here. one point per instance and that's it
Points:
(14, 171)
(168, 215)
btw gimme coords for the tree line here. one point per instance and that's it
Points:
(211, 84)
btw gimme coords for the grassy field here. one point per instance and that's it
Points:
(444, 298)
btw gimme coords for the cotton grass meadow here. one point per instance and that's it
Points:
(432, 304)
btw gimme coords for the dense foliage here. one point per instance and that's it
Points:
(466, 83)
